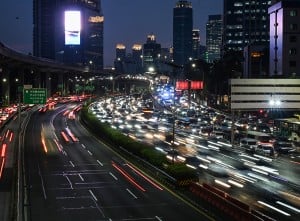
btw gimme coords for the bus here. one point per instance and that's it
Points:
(289, 128)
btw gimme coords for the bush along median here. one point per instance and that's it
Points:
(181, 174)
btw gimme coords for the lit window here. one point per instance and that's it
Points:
(237, 4)
(293, 51)
(293, 27)
(293, 13)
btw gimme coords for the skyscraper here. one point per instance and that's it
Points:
(69, 31)
(196, 44)
(151, 52)
(214, 37)
(246, 23)
(137, 57)
(182, 32)
(120, 58)
(284, 38)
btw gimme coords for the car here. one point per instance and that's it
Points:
(266, 150)
(249, 144)
(264, 128)
(217, 134)
(284, 146)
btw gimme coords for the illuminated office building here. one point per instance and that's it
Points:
(284, 39)
(120, 57)
(151, 52)
(129, 63)
(120, 52)
(69, 31)
(214, 37)
(246, 22)
(182, 32)
(196, 44)
(137, 57)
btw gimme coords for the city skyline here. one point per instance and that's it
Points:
(155, 17)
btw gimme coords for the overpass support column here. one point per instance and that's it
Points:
(5, 92)
(37, 79)
(48, 84)
(66, 84)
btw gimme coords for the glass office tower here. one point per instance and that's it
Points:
(69, 31)
(246, 22)
(182, 32)
(214, 37)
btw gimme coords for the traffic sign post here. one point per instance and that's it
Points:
(35, 96)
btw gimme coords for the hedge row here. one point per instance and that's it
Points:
(178, 171)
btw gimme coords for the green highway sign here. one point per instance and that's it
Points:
(35, 96)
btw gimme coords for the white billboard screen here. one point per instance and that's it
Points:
(72, 27)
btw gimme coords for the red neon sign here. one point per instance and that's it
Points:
(182, 85)
(196, 85)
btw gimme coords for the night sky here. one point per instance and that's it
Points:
(126, 21)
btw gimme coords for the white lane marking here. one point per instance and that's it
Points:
(288, 206)
(159, 219)
(110, 173)
(101, 164)
(65, 153)
(90, 153)
(72, 163)
(274, 208)
(93, 195)
(131, 193)
(42, 181)
(69, 181)
(83, 146)
(80, 177)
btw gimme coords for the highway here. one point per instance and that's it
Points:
(85, 180)
(268, 185)
(8, 165)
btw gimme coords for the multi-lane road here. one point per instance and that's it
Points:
(86, 180)
(268, 185)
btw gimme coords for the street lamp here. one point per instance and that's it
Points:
(151, 70)
(6, 93)
(274, 102)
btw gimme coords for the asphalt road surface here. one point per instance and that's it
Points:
(84, 180)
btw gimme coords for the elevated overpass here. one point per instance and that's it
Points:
(17, 69)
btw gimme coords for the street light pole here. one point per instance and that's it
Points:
(173, 126)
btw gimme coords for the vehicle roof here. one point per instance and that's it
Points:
(249, 139)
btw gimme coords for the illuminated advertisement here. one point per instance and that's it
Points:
(72, 27)
(196, 85)
(182, 85)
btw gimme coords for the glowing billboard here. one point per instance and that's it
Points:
(72, 27)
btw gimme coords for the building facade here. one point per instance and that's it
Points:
(196, 44)
(129, 63)
(246, 22)
(151, 52)
(284, 39)
(214, 29)
(182, 32)
(120, 58)
(137, 57)
(69, 31)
